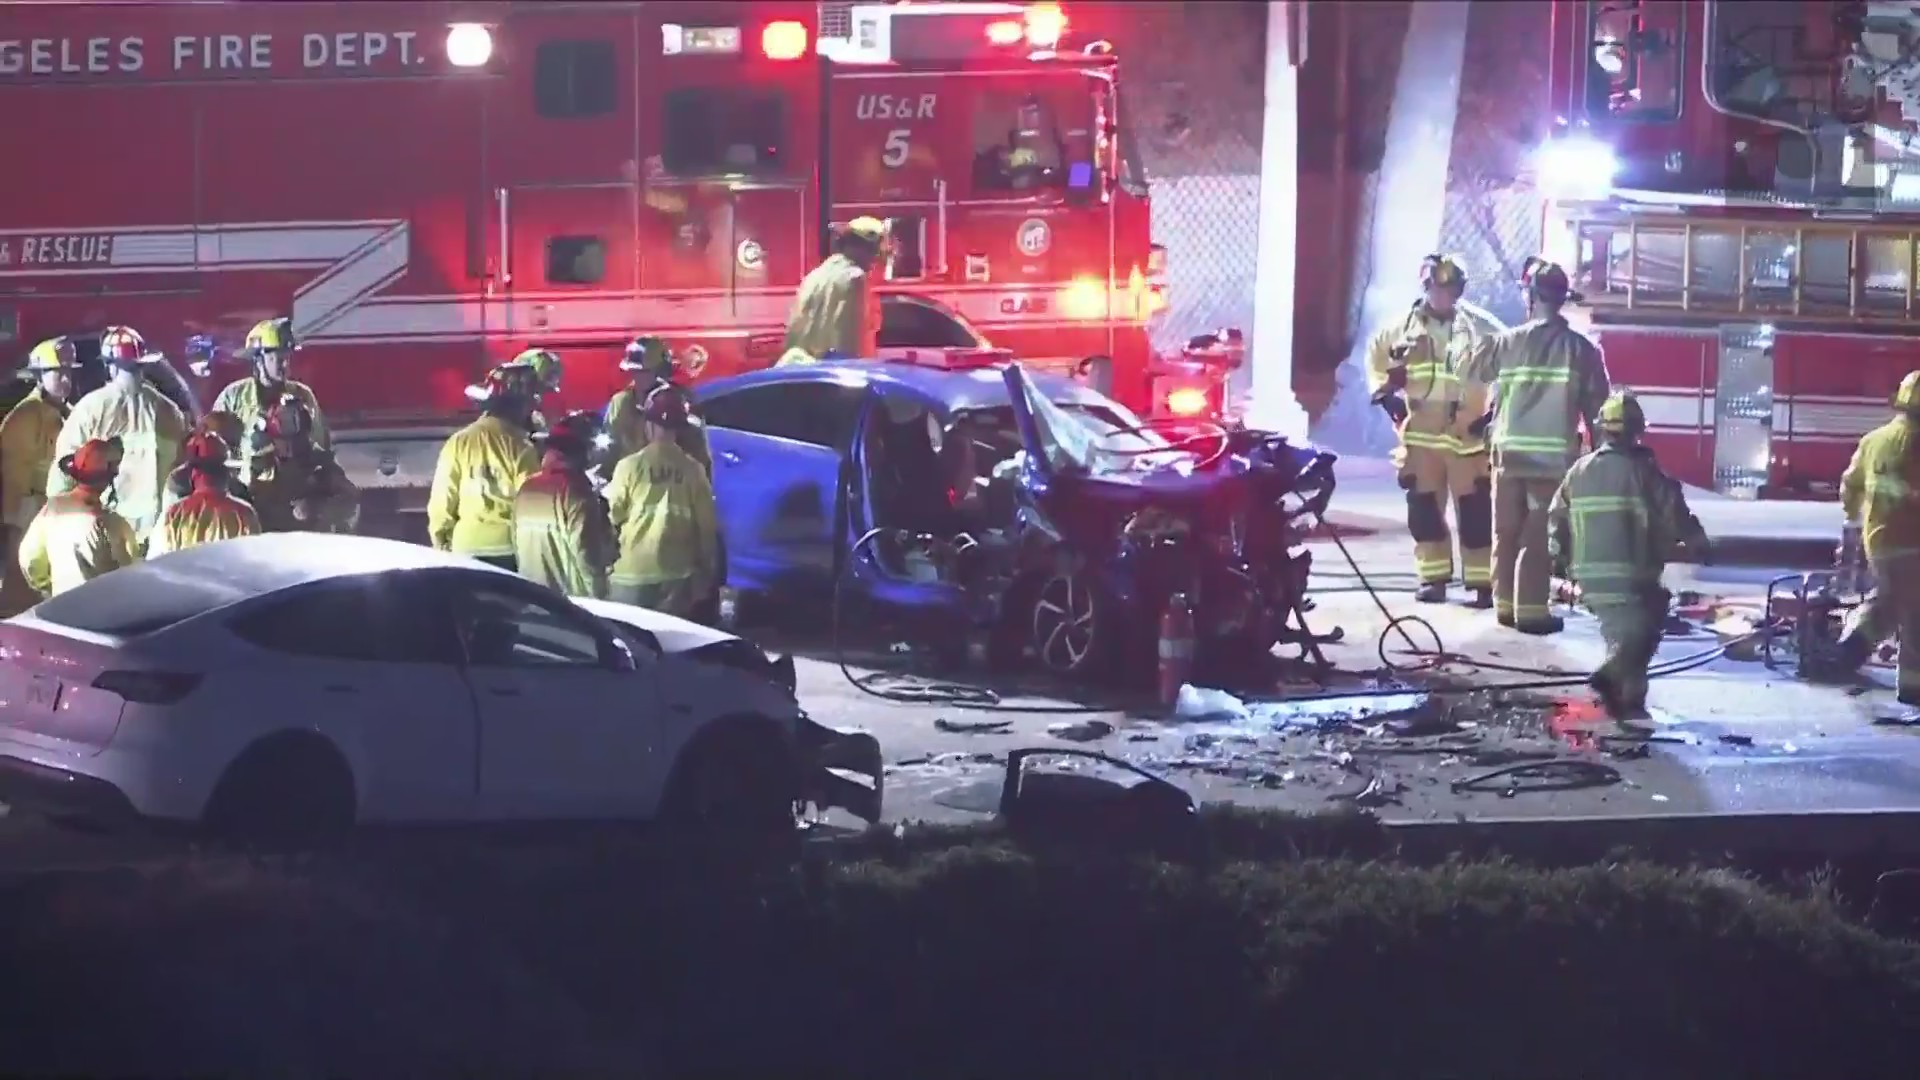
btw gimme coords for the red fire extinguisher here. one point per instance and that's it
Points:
(1176, 648)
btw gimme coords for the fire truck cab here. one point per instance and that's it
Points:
(993, 139)
(1727, 185)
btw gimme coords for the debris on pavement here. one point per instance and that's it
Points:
(973, 727)
(1080, 730)
(1379, 791)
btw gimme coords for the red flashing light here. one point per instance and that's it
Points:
(1187, 401)
(952, 359)
(784, 41)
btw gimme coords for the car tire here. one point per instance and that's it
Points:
(1068, 629)
(290, 788)
(736, 780)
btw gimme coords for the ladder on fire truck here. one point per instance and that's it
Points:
(1811, 268)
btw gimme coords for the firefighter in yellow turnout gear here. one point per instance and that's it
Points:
(75, 537)
(1614, 523)
(270, 347)
(562, 536)
(662, 505)
(27, 436)
(1442, 454)
(210, 511)
(1548, 379)
(149, 426)
(651, 365)
(297, 486)
(480, 470)
(1880, 492)
(837, 312)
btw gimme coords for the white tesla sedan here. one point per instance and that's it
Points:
(302, 682)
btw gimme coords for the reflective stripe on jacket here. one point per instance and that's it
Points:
(481, 468)
(27, 437)
(1549, 379)
(562, 536)
(151, 429)
(1880, 489)
(1440, 407)
(1615, 522)
(203, 517)
(662, 507)
(244, 399)
(836, 310)
(312, 494)
(73, 540)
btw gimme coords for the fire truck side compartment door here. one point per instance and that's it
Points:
(767, 248)
(571, 249)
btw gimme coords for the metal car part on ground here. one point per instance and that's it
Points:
(976, 504)
(302, 683)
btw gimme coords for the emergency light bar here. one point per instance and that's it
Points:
(952, 359)
(883, 33)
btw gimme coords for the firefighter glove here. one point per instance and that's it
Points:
(1479, 426)
(1397, 375)
(1395, 407)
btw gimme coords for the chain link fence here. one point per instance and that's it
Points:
(1192, 93)
(1493, 215)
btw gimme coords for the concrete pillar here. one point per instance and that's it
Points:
(1272, 405)
(1408, 205)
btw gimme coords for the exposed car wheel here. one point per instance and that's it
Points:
(288, 788)
(737, 780)
(1068, 625)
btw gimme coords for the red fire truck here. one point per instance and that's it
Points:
(431, 187)
(1725, 182)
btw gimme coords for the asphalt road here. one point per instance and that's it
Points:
(1734, 736)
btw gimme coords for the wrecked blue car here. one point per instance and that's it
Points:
(967, 501)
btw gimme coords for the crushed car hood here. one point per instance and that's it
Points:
(675, 635)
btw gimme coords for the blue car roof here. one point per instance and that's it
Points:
(976, 388)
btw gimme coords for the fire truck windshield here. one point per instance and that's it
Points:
(1634, 59)
(1024, 140)
(1757, 51)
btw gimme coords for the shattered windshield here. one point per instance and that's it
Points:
(1102, 438)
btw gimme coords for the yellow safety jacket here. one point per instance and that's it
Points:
(27, 438)
(627, 427)
(836, 311)
(1441, 408)
(1615, 522)
(311, 493)
(662, 507)
(562, 535)
(204, 516)
(246, 399)
(481, 468)
(150, 428)
(72, 540)
(1880, 489)
(1549, 379)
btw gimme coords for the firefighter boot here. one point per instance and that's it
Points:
(1433, 592)
(1608, 691)
(1482, 598)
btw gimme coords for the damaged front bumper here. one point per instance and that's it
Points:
(840, 768)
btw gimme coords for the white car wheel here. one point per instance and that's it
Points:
(1068, 631)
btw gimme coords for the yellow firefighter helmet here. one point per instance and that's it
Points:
(270, 335)
(1907, 398)
(1621, 415)
(53, 354)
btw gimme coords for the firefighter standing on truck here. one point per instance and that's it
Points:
(210, 511)
(1614, 523)
(26, 452)
(1548, 379)
(1880, 492)
(562, 535)
(297, 486)
(270, 347)
(76, 537)
(148, 424)
(662, 506)
(651, 365)
(1442, 456)
(481, 468)
(837, 312)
